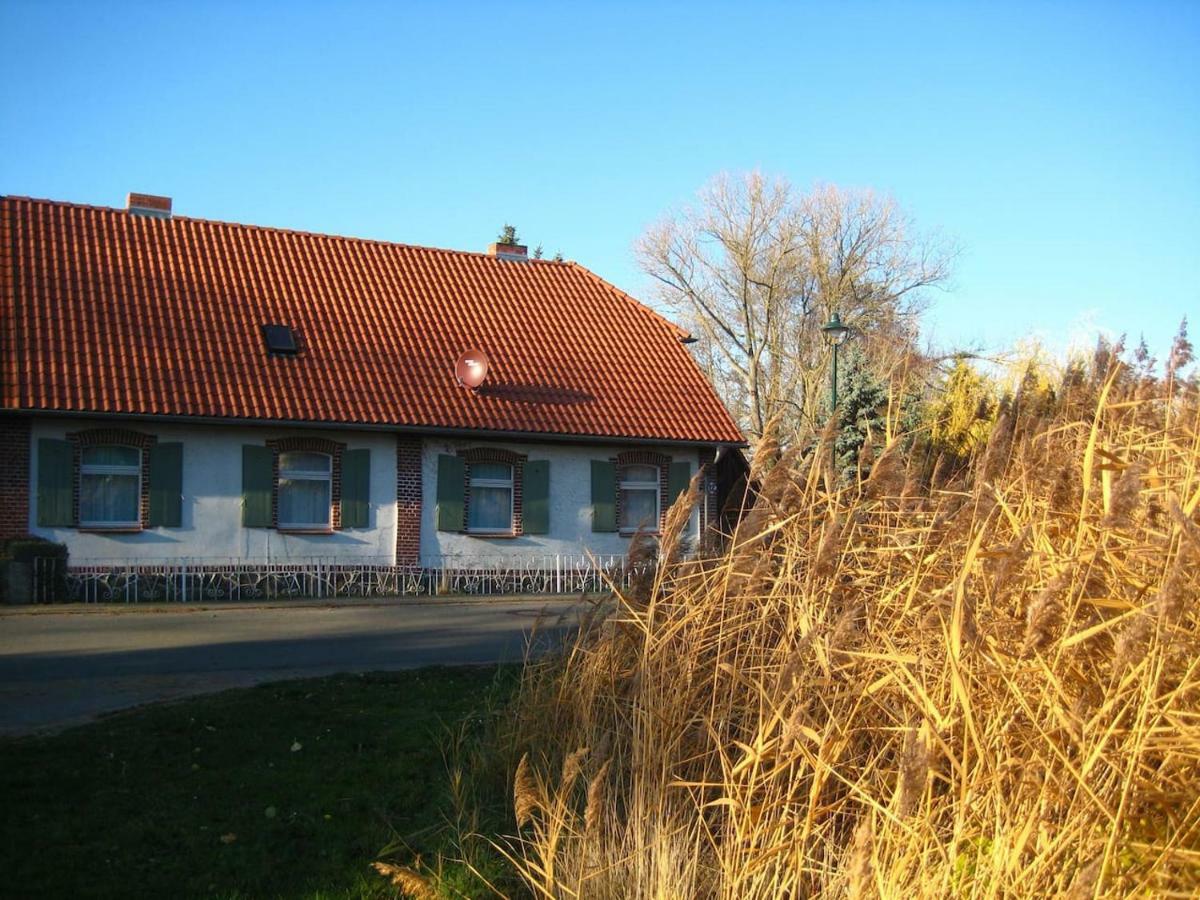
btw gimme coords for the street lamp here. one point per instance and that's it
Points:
(835, 334)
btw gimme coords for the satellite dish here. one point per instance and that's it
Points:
(472, 368)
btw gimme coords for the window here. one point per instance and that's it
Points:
(639, 498)
(490, 504)
(110, 487)
(305, 490)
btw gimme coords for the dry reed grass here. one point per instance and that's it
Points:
(986, 688)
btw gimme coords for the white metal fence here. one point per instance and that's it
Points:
(206, 580)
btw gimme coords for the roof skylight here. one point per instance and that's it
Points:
(280, 339)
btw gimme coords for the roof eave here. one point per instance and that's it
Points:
(434, 430)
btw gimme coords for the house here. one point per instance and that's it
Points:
(182, 392)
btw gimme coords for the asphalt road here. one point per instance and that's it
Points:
(62, 669)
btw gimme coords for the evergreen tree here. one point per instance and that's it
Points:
(961, 418)
(862, 413)
(508, 236)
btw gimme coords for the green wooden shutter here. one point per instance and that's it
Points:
(535, 499)
(604, 496)
(166, 486)
(258, 477)
(451, 487)
(56, 477)
(679, 476)
(356, 489)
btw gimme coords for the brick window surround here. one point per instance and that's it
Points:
(14, 477)
(408, 500)
(660, 461)
(495, 455)
(107, 437)
(334, 450)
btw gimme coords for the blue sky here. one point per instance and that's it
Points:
(1057, 143)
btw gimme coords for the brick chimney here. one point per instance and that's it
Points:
(508, 251)
(148, 205)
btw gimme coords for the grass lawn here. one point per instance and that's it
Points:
(283, 790)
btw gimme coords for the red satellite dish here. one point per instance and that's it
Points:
(472, 368)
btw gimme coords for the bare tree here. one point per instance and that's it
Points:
(756, 268)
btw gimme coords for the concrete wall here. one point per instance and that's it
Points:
(212, 501)
(570, 503)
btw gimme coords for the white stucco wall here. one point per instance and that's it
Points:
(212, 501)
(570, 503)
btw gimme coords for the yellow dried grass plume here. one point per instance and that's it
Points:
(527, 794)
(413, 884)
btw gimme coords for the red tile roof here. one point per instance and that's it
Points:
(108, 312)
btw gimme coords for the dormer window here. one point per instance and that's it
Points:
(280, 339)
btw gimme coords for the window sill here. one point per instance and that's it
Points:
(630, 532)
(503, 535)
(300, 530)
(110, 529)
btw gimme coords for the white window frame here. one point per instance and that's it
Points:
(626, 484)
(102, 469)
(303, 475)
(474, 482)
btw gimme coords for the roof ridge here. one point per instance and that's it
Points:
(296, 231)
